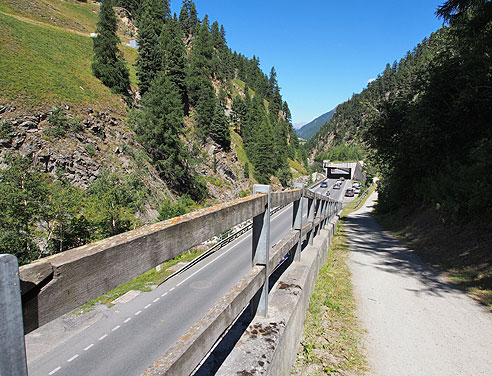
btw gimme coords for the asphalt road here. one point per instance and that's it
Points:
(417, 323)
(128, 337)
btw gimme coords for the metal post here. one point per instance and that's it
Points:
(297, 221)
(261, 245)
(12, 346)
(310, 218)
(316, 214)
(323, 213)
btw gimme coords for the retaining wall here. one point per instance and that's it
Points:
(269, 345)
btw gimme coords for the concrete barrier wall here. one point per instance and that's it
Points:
(269, 345)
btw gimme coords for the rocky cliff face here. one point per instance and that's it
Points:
(92, 142)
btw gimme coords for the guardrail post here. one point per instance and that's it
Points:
(12, 347)
(261, 245)
(297, 221)
(324, 205)
(310, 218)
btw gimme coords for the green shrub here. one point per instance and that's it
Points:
(90, 149)
(6, 129)
(170, 209)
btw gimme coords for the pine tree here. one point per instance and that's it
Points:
(188, 18)
(158, 128)
(263, 154)
(205, 107)
(238, 113)
(108, 64)
(219, 129)
(149, 60)
(174, 62)
(200, 63)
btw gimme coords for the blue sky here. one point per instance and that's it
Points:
(323, 51)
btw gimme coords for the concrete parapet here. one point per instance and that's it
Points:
(285, 197)
(57, 284)
(269, 345)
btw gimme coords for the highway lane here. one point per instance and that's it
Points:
(130, 336)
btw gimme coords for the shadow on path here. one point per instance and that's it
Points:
(367, 237)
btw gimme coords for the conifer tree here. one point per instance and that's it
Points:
(174, 62)
(200, 62)
(205, 107)
(238, 113)
(219, 130)
(149, 60)
(188, 18)
(158, 128)
(108, 64)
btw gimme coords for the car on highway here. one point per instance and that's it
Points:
(356, 190)
(336, 186)
(355, 184)
(349, 192)
(323, 184)
(327, 194)
(342, 178)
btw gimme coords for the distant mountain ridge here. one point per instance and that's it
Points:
(311, 128)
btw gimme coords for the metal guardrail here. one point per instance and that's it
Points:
(364, 194)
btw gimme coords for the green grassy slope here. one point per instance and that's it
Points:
(41, 65)
(73, 15)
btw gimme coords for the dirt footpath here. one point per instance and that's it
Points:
(417, 323)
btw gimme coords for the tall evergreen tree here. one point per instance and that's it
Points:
(238, 113)
(188, 18)
(108, 64)
(149, 60)
(158, 128)
(219, 130)
(200, 67)
(174, 62)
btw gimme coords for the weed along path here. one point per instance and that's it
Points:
(416, 322)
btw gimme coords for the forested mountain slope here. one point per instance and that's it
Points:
(183, 122)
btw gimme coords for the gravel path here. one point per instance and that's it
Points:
(416, 322)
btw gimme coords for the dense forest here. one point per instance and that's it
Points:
(425, 121)
(193, 91)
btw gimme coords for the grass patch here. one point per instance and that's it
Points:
(238, 147)
(69, 14)
(297, 166)
(331, 342)
(463, 251)
(214, 181)
(143, 282)
(42, 66)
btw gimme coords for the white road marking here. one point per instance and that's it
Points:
(173, 288)
(164, 294)
(115, 328)
(104, 336)
(128, 319)
(73, 357)
(54, 371)
(88, 347)
(156, 299)
(147, 306)
(203, 267)
(138, 313)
